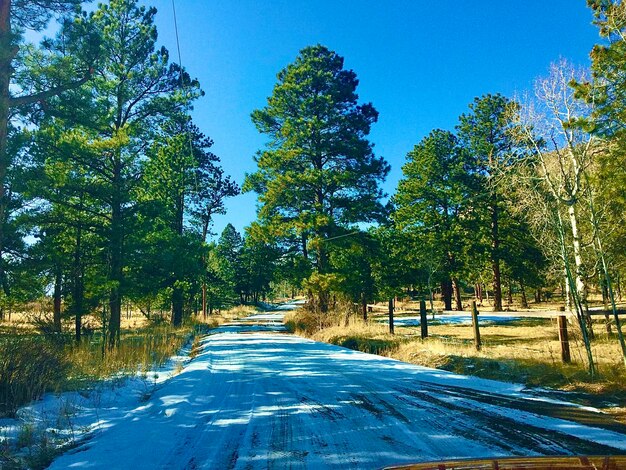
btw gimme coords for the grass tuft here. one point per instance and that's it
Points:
(29, 365)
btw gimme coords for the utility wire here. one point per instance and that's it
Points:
(183, 88)
(342, 236)
(180, 61)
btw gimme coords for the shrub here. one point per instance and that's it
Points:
(28, 367)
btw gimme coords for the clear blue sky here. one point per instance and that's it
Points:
(419, 62)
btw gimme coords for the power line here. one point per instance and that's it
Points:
(183, 88)
(180, 60)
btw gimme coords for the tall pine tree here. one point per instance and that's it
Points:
(318, 173)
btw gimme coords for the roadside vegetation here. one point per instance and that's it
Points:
(523, 198)
(32, 363)
(525, 351)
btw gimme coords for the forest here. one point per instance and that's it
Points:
(108, 190)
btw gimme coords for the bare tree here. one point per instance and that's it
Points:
(561, 155)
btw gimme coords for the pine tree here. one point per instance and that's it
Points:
(28, 77)
(433, 206)
(487, 132)
(318, 173)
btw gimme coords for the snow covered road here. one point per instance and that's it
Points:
(260, 399)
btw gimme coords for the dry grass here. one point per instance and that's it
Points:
(238, 312)
(361, 336)
(143, 345)
(527, 351)
(529, 354)
(344, 330)
(139, 349)
(26, 354)
(550, 305)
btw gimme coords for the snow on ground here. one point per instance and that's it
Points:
(453, 319)
(74, 416)
(266, 317)
(254, 399)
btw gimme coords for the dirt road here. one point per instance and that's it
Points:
(259, 398)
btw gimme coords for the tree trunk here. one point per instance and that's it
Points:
(78, 309)
(495, 256)
(77, 275)
(305, 251)
(178, 300)
(568, 293)
(581, 286)
(8, 53)
(522, 289)
(608, 283)
(322, 265)
(390, 309)
(58, 284)
(478, 292)
(575, 298)
(177, 306)
(323, 300)
(497, 287)
(607, 324)
(205, 231)
(116, 275)
(457, 294)
(605, 304)
(204, 306)
(446, 294)
(364, 306)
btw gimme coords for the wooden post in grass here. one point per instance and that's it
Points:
(565, 354)
(423, 319)
(475, 326)
(391, 315)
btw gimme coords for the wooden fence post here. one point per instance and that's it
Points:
(391, 315)
(475, 325)
(423, 319)
(565, 354)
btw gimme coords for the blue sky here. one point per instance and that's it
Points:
(419, 62)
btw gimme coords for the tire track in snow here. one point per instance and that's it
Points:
(505, 432)
(258, 400)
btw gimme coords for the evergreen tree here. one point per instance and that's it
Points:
(134, 90)
(183, 184)
(258, 261)
(229, 251)
(168, 181)
(488, 134)
(220, 286)
(433, 205)
(71, 223)
(29, 76)
(211, 187)
(318, 173)
(355, 258)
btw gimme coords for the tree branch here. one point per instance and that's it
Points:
(30, 99)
